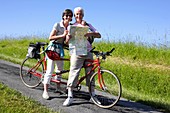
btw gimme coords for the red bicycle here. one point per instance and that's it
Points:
(107, 84)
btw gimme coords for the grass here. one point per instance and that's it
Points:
(13, 102)
(143, 71)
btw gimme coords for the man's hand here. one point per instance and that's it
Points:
(88, 34)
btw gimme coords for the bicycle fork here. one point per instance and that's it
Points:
(101, 79)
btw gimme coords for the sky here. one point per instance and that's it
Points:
(146, 21)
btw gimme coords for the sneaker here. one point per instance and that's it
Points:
(45, 95)
(95, 99)
(68, 101)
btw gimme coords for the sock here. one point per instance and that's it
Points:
(70, 92)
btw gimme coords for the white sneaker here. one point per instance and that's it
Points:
(68, 101)
(95, 99)
(45, 95)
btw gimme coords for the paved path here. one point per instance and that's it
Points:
(9, 75)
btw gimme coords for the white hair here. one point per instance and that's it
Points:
(79, 9)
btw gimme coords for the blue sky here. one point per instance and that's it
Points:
(146, 21)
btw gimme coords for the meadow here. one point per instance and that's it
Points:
(144, 71)
(13, 102)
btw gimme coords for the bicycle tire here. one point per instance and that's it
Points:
(109, 92)
(31, 78)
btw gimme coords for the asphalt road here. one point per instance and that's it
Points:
(9, 75)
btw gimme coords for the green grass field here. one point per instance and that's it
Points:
(143, 71)
(13, 102)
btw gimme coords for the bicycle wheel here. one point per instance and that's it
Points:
(31, 72)
(107, 88)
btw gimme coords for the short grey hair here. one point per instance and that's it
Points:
(79, 9)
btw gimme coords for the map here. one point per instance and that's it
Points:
(78, 42)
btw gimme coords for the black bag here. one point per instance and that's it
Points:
(90, 39)
(33, 51)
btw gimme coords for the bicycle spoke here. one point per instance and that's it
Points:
(31, 73)
(110, 92)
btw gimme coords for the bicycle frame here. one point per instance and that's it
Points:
(109, 90)
(94, 64)
(33, 69)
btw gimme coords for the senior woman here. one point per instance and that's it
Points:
(76, 61)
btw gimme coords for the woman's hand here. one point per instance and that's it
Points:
(68, 37)
(65, 33)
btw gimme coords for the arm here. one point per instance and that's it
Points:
(53, 35)
(94, 34)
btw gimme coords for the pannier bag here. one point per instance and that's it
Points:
(33, 51)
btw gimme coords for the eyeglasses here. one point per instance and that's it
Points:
(69, 15)
(80, 14)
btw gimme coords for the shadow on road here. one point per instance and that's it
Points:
(83, 98)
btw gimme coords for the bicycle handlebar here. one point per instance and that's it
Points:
(108, 53)
(103, 54)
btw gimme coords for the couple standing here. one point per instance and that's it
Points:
(60, 35)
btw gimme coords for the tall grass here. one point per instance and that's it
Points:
(143, 71)
(129, 50)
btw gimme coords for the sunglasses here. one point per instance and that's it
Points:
(69, 15)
